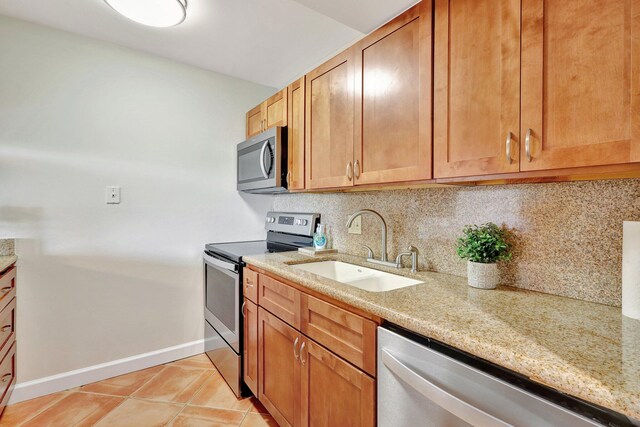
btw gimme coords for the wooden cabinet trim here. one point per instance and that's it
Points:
(250, 357)
(376, 319)
(348, 335)
(398, 113)
(280, 299)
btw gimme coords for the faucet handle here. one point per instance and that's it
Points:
(369, 251)
(412, 249)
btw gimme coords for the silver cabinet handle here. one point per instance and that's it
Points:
(6, 377)
(509, 147)
(249, 283)
(356, 169)
(6, 328)
(301, 349)
(5, 290)
(349, 171)
(527, 144)
(440, 397)
(295, 347)
(244, 304)
(288, 178)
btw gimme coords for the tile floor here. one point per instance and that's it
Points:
(188, 392)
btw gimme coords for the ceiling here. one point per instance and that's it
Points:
(270, 42)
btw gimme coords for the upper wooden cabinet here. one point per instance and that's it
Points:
(580, 83)
(393, 100)
(477, 87)
(272, 112)
(329, 123)
(295, 134)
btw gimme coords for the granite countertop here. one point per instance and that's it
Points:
(584, 349)
(6, 261)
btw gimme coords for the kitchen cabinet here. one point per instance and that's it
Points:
(393, 100)
(476, 87)
(329, 123)
(580, 91)
(250, 285)
(7, 334)
(295, 134)
(250, 356)
(334, 393)
(318, 367)
(279, 369)
(272, 112)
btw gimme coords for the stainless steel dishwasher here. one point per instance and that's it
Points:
(425, 383)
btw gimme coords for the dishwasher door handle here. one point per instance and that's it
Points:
(440, 397)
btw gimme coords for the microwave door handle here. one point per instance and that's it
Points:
(219, 263)
(440, 397)
(262, 166)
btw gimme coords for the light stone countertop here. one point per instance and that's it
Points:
(584, 349)
(6, 261)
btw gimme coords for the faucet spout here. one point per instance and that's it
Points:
(383, 256)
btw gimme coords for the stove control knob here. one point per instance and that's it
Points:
(271, 219)
(305, 222)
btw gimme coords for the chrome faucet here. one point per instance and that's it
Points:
(383, 256)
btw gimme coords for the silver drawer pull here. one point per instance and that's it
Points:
(249, 284)
(6, 377)
(440, 397)
(6, 290)
(6, 328)
(295, 348)
(301, 355)
(509, 148)
(527, 144)
(356, 169)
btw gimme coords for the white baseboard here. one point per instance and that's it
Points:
(66, 380)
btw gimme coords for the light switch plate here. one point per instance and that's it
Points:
(356, 225)
(113, 195)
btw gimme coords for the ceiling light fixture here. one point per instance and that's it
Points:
(154, 13)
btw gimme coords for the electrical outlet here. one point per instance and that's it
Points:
(356, 225)
(113, 195)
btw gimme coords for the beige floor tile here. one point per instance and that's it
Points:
(258, 420)
(197, 416)
(24, 411)
(257, 407)
(140, 413)
(76, 409)
(200, 361)
(215, 393)
(174, 384)
(123, 385)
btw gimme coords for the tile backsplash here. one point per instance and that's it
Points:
(568, 236)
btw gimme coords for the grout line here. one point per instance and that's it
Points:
(113, 409)
(43, 409)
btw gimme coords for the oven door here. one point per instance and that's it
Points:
(260, 162)
(222, 298)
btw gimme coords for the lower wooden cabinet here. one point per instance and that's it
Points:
(7, 335)
(334, 393)
(303, 382)
(278, 369)
(250, 356)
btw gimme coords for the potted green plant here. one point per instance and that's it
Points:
(483, 246)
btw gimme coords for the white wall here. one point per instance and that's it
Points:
(100, 282)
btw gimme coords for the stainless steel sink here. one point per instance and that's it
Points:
(360, 277)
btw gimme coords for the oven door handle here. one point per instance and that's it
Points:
(262, 166)
(219, 263)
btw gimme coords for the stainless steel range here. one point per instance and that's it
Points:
(223, 287)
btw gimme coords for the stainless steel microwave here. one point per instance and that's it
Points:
(262, 162)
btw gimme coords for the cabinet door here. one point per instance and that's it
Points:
(295, 124)
(393, 100)
(329, 123)
(255, 121)
(477, 87)
(580, 90)
(279, 369)
(275, 110)
(250, 359)
(334, 393)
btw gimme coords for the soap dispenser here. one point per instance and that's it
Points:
(320, 238)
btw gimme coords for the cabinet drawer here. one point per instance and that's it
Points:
(8, 285)
(279, 299)
(346, 334)
(7, 324)
(250, 285)
(7, 373)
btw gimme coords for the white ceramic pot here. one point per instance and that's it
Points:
(483, 276)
